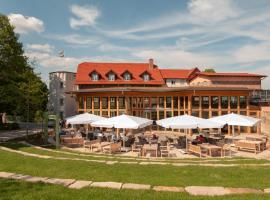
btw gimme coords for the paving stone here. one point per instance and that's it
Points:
(134, 186)
(6, 174)
(266, 190)
(20, 176)
(168, 189)
(114, 185)
(128, 162)
(111, 162)
(80, 184)
(35, 179)
(58, 181)
(244, 191)
(207, 191)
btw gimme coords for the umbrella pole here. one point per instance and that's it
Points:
(186, 140)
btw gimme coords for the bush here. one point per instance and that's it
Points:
(9, 126)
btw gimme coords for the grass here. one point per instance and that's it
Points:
(17, 190)
(242, 176)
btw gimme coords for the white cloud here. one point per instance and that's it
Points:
(212, 11)
(24, 24)
(85, 15)
(177, 58)
(76, 39)
(253, 53)
(40, 47)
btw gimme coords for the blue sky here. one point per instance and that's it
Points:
(228, 35)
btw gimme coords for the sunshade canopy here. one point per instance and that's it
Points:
(123, 121)
(236, 120)
(85, 118)
(187, 122)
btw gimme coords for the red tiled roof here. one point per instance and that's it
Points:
(178, 73)
(136, 70)
(229, 74)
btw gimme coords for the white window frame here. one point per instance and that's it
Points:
(127, 74)
(94, 76)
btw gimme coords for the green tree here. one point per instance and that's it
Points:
(211, 70)
(19, 84)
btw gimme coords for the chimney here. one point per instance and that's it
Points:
(151, 63)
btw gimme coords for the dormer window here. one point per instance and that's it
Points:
(111, 77)
(127, 76)
(94, 76)
(146, 77)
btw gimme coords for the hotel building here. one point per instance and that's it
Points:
(146, 90)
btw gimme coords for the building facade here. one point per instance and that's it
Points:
(145, 90)
(61, 103)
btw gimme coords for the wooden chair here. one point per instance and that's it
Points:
(89, 144)
(137, 148)
(165, 151)
(196, 150)
(112, 148)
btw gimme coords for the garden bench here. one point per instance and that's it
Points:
(248, 145)
(196, 150)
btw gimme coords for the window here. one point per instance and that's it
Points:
(161, 102)
(214, 102)
(173, 82)
(243, 101)
(121, 102)
(94, 76)
(104, 103)
(154, 102)
(88, 102)
(96, 103)
(127, 76)
(61, 84)
(80, 102)
(113, 102)
(205, 114)
(175, 102)
(61, 102)
(111, 76)
(205, 102)
(181, 102)
(233, 102)
(224, 102)
(146, 102)
(195, 102)
(146, 77)
(168, 102)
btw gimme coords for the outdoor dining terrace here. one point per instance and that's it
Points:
(171, 142)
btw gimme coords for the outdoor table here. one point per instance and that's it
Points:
(210, 148)
(150, 147)
(259, 144)
(100, 145)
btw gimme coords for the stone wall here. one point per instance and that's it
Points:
(265, 116)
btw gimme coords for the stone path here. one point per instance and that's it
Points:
(78, 184)
(125, 162)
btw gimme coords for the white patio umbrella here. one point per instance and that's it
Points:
(85, 118)
(188, 122)
(233, 119)
(123, 121)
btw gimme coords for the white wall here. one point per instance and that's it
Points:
(178, 82)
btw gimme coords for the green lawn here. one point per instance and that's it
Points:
(18, 190)
(241, 176)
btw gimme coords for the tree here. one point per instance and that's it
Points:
(210, 70)
(19, 83)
